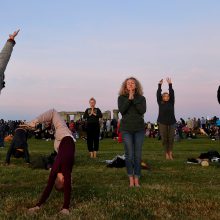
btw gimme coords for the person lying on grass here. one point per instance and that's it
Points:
(60, 174)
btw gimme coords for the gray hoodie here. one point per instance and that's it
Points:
(4, 58)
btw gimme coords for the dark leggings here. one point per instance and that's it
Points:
(63, 164)
(93, 132)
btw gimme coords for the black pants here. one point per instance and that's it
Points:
(93, 132)
(167, 133)
(12, 150)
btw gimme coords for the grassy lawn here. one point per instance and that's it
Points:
(171, 190)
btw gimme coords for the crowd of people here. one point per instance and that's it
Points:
(189, 129)
(131, 129)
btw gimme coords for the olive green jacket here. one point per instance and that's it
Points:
(132, 112)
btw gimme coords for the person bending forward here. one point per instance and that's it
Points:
(60, 174)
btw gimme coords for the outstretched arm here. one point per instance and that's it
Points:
(171, 91)
(5, 55)
(219, 94)
(159, 90)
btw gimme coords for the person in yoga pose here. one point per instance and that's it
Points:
(5, 55)
(166, 118)
(60, 174)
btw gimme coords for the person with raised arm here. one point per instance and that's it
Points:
(5, 55)
(218, 94)
(166, 117)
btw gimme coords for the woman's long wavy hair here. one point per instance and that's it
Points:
(138, 89)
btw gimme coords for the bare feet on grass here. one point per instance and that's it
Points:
(34, 209)
(91, 154)
(136, 182)
(65, 212)
(171, 155)
(131, 180)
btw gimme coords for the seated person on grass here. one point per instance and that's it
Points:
(60, 174)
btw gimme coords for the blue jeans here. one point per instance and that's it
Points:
(133, 142)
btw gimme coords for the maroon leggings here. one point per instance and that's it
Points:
(62, 164)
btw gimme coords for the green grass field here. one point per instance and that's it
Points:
(171, 190)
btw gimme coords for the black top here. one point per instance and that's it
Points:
(92, 119)
(166, 109)
(219, 94)
(20, 137)
(132, 112)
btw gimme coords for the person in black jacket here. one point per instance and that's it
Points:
(132, 106)
(166, 118)
(19, 146)
(218, 95)
(92, 116)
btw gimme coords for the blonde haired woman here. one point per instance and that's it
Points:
(132, 106)
(92, 116)
(166, 117)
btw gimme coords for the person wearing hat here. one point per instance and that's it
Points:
(5, 55)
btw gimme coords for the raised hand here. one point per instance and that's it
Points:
(169, 80)
(161, 82)
(12, 36)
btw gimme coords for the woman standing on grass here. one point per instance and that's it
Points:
(92, 116)
(132, 106)
(166, 118)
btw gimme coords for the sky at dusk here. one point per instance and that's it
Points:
(68, 51)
